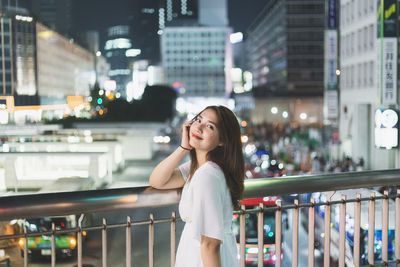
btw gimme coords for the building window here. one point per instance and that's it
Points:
(352, 72)
(371, 36)
(371, 73)
(359, 39)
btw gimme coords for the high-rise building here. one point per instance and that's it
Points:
(369, 95)
(18, 55)
(54, 14)
(150, 17)
(118, 51)
(39, 65)
(285, 55)
(285, 48)
(197, 60)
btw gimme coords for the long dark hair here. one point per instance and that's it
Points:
(229, 156)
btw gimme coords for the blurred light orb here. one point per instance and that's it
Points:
(303, 115)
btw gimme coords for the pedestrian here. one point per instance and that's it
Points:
(212, 181)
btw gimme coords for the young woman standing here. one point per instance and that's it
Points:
(212, 184)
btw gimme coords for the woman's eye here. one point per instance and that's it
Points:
(210, 126)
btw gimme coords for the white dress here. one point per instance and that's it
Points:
(206, 209)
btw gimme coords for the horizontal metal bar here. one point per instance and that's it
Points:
(320, 183)
(91, 201)
(64, 203)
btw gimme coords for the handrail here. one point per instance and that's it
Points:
(63, 203)
(321, 182)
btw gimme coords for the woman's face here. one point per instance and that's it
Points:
(204, 133)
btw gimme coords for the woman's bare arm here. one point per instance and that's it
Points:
(166, 175)
(209, 248)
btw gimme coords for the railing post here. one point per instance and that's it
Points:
(151, 241)
(242, 222)
(295, 232)
(357, 228)
(311, 233)
(25, 246)
(342, 232)
(397, 230)
(371, 229)
(128, 245)
(53, 245)
(80, 240)
(173, 238)
(385, 226)
(327, 234)
(260, 235)
(104, 243)
(278, 234)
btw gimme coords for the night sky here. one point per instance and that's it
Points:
(98, 15)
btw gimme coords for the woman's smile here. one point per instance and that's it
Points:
(196, 136)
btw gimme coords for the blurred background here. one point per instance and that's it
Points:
(93, 93)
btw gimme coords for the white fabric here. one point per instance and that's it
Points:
(206, 209)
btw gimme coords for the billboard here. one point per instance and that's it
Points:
(387, 42)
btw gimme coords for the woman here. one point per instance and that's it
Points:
(212, 184)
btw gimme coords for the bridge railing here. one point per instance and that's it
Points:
(338, 213)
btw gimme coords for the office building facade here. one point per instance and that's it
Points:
(284, 48)
(64, 68)
(18, 56)
(197, 60)
(366, 84)
(149, 18)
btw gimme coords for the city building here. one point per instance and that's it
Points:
(149, 18)
(42, 72)
(285, 48)
(18, 81)
(64, 69)
(56, 15)
(119, 52)
(197, 57)
(285, 52)
(197, 60)
(368, 83)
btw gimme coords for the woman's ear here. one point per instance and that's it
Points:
(221, 144)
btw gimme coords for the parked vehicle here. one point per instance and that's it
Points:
(251, 249)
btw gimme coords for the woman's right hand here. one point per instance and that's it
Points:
(186, 135)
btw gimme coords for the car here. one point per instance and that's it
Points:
(40, 246)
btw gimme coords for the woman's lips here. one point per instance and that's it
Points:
(196, 136)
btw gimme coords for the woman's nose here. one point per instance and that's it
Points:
(199, 127)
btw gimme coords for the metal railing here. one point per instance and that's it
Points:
(86, 202)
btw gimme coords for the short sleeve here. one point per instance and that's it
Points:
(207, 213)
(185, 170)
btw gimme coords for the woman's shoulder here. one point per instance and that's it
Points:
(208, 173)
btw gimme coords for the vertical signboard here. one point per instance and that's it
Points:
(330, 63)
(387, 40)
